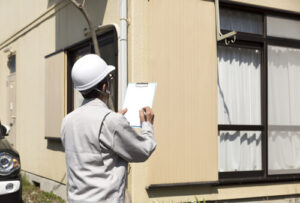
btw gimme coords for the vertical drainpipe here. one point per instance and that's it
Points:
(123, 53)
(123, 50)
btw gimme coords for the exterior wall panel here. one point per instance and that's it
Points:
(174, 44)
(287, 5)
(171, 42)
(17, 14)
(182, 59)
(70, 24)
(38, 155)
(55, 93)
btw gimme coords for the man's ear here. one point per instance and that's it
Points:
(103, 88)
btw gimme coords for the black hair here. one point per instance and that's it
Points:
(94, 93)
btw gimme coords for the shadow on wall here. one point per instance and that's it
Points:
(55, 145)
(69, 29)
(70, 24)
(52, 2)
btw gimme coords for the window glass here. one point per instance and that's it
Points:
(12, 63)
(283, 27)
(241, 21)
(283, 150)
(108, 52)
(283, 109)
(239, 89)
(283, 85)
(239, 151)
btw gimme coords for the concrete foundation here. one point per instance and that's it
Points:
(47, 185)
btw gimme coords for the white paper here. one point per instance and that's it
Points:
(138, 95)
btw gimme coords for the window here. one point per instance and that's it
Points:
(241, 21)
(259, 95)
(283, 27)
(239, 104)
(284, 110)
(12, 63)
(109, 52)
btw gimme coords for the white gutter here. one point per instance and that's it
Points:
(123, 51)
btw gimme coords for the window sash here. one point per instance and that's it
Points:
(260, 176)
(283, 109)
(240, 151)
(241, 21)
(283, 27)
(283, 85)
(234, 65)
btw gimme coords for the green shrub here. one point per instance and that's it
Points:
(33, 194)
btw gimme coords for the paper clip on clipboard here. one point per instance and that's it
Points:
(138, 95)
(141, 84)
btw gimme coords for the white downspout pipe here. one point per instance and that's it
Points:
(123, 51)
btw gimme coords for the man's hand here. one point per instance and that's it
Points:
(123, 111)
(146, 114)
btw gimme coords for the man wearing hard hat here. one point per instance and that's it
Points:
(98, 142)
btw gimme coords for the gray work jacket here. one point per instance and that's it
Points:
(98, 145)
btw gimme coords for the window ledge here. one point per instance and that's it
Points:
(53, 139)
(231, 181)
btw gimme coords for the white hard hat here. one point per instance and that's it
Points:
(88, 71)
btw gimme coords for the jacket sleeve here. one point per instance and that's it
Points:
(120, 137)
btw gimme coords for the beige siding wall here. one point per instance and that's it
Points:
(173, 42)
(65, 28)
(31, 144)
(182, 59)
(70, 23)
(17, 14)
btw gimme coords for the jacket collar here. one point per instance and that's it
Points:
(93, 102)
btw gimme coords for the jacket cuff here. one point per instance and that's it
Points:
(147, 126)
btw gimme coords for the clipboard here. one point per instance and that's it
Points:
(138, 95)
